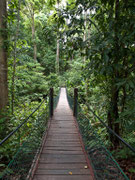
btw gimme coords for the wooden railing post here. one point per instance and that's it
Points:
(75, 102)
(51, 102)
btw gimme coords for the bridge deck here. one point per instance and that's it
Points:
(63, 156)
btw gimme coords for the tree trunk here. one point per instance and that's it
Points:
(113, 114)
(3, 56)
(58, 48)
(31, 16)
(85, 33)
(117, 58)
(14, 62)
(33, 36)
(57, 55)
(84, 58)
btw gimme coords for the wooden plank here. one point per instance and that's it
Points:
(63, 121)
(64, 136)
(63, 125)
(63, 118)
(62, 132)
(66, 148)
(62, 166)
(61, 152)
(62, 158)
(61, 111)
(70, 128)
(65, 140)
(62, 140)
(62, 143)
(67, 131)
(67, 137)
(62, 171)
(66, 156)
(63, 177)
(71, 122)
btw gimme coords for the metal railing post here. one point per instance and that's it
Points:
(51, 102)
(75, 102)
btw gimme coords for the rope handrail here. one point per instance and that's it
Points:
(103, 163)
(109, 129)
(16, 129)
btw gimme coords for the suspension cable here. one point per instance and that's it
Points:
(16, 129)
(109, 129)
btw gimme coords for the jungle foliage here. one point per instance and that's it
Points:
(87, 44)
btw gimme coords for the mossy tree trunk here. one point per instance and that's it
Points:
(3, 55)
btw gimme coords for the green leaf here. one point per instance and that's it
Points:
(2, 165)
(132, 170)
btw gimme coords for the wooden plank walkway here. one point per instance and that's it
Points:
(63, 156)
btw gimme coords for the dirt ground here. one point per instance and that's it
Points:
(128, 167)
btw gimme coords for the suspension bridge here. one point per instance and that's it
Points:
(61, 145)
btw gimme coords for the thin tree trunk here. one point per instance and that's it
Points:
(84, 59)
(3, 56)
(3, 69)
(57, 55)
(31, 15)
(72, 55)
(58, 48)
(113, 114)
(117, 124)
(33, 36)
(124, 76)
(14, 62)
(85, 33)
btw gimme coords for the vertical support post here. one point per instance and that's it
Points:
(75, 102)
(51, 102)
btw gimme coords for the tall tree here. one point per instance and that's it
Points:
(58, 44)
(3, 55)
(113, 110)
(15, 56)
(30, 9)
